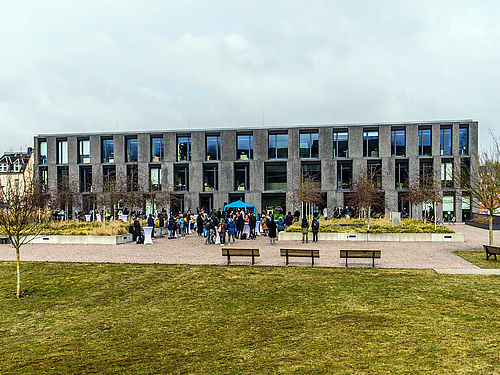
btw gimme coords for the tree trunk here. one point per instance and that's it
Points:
(435, 216)
(491, 227)
(104, 217)
(18, 259)
(369, 214)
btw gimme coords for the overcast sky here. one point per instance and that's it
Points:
(82, 66)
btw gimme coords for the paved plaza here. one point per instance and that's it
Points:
(418, 255)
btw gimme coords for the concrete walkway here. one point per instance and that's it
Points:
(416, 255)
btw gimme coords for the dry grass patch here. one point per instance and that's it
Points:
(478, 258)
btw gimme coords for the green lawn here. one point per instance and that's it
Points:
(479, 258)
(163, 319)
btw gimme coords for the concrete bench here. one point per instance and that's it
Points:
(239, 252)
(360, 254)
(304, 253)
(491, 250)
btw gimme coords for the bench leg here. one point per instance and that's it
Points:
(287, 257)
(346, 256)
(373, 259)
(228, 259)
(312, 258)
(253, 258)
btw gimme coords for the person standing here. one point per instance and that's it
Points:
(231, 231)
(296, 215)
(222, 231)
(151, 223)
(210, 231)
(240, 223)
(161, 222)
(252, 221)
(315, 229)
(289, 219)
(305, 229)
(281, 224)
(182, 226)
(199, 225)
(271, 226)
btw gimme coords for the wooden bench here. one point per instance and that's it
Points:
(307, 253)
(239, 252)
(491, 250)
(360, 254)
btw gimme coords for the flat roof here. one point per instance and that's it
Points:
(257, 127)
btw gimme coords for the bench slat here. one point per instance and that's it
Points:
(239, 252)
(300, 253)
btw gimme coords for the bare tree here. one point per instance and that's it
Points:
(483, 182)
(65, 195)
(366, 193)
(18, 215)
(415, 194)
(307, 192)
(431, 193)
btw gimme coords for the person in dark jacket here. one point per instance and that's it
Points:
(137, 229)
(240, 223)
(252, 221)
(305, 229)
(296, 215)
(199, 225)
(161, 222)
(315, 229)
(151, 223)
(289, 219)
(231, 231)
(271, 225)
(172, 226)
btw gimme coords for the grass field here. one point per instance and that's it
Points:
(479, 259)
(163, 319)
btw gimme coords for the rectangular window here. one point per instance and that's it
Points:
(154, 178)
(312, 172)
(401, 174)
(213, 147)
(210, 177)
(17, 167)
(62, 152)
(107, 151)
(109, 178)
(464, 172)
(86, 179)
(181, 178)
(184, 148)
(278, 146)
(62, 177)
(344, 175)
(398, 142)
(132, 178)
(426, 172)
(157, 149)
(309, 145)
(42, 152)
(370, 144)
(425, 142)
(131, 151)
(447, 174)
(375, 172)
(340, 144)
(245, 147)
(463, 137)
(275, 177)
(445, 141)
(44, 179)
(84, 151)
(241, 177)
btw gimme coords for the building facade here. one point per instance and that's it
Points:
(16, 167)
(262, 165)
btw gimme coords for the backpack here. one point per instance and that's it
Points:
(315, 226)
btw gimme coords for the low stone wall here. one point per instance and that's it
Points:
(84, 240)
(378, 237)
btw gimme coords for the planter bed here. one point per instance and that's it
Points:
(84, 240)
(377, 237)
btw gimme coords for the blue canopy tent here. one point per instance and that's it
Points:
(238, 204)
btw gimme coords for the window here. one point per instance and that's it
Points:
(184, 148)
(308, 145)
(464, 172)
(107, 151)
(401, 175)
(210, 177)
(132, 178)
(17, 167)
(278, 146)
(155, 178)
(44, 178)
(275, 177)
(340, 144)
(42, 152)
(131, 151)
(245, 147)
(86, 179)
(370, 143)
(241, 176)
(109, 177)
(213, 147)
(84, 151)
(157, 149)
(62, 152)
(4, 167)
(398, 142)
(426, 172)
(425, 142)
(448, 207)
(375, 172)
(312, 171)
(181, 178)
(445, 141)
(344, 175)
(447, 174)
(62, 177)
(463, 139)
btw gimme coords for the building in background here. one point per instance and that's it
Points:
(16, 167)
(262, 165)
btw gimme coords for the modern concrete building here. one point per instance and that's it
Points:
(261, 165)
